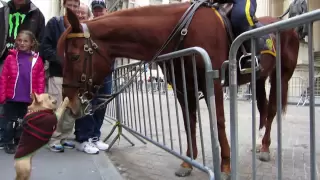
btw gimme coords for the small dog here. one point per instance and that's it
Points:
(38, 127)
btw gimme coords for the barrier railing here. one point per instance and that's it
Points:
(151, 112)
(307, 18)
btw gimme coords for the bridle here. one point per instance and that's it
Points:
(85, 83)
(87, 90)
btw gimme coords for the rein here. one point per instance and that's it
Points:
(86, 84)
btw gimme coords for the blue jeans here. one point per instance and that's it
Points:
(89, 126)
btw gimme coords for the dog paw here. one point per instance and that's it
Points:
(66, 102)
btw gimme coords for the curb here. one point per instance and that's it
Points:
(105, 167)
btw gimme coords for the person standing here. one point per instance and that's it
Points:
(22, 75)
(87, 129)
(84, 12)
(17, 15)
(53, 30)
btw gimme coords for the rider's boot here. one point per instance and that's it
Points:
(264, 44)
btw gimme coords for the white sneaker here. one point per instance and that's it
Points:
(88, 147)
(101, 145)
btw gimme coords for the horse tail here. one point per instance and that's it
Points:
(289, 59)
(284, 88)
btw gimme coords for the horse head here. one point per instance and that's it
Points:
(84, 64)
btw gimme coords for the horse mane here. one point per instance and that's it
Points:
(154, 9)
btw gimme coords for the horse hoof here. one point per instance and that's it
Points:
(257, 148)
(264, 156)
(225, 176)
(183, 172)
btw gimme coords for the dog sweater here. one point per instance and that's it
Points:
(38, 128)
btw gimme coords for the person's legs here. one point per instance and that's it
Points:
(98, 116)
(59, 136)
(100, 113)
(22, 109)
(55, 88)
(242, 15)
(2, 120)
(12, 111)
(84, 133)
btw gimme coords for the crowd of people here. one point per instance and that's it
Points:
(26, 43)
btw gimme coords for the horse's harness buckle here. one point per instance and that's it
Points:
(83, 77)
(86, 48)
(90, 82)
(184, 31)
(90, 51)
(94, 45)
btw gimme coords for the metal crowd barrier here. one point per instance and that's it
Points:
(297, 92)
(148, 111)
(308, 19)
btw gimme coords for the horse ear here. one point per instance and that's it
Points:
(34, 97)
(74, 21)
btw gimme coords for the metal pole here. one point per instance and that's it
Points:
(233, 116)
(279, 106)
(313, 170)
(253, 98)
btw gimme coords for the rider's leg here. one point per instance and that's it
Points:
(242, 15)
(242, 19)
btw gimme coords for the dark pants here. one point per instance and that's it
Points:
(242, 17)
(14, 113)
(1, 107)
(2, 119)
(89, 126)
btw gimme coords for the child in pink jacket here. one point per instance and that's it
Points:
(22, 74)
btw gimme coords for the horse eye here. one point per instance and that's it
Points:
(75, 57)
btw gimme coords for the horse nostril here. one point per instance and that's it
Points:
(54, 102)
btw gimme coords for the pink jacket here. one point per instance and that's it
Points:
(9, 76)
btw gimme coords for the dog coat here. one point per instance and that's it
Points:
(38, 128)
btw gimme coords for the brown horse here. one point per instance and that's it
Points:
(139, 33)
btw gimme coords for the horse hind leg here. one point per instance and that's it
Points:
(186, 168)
(262, 104)
(272, 110)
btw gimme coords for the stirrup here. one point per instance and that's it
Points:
(245, 64)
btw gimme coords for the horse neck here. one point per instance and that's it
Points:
(136, 36)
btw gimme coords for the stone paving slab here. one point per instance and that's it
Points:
(148, 162)
(70, 165)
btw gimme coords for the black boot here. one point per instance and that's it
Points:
(263, 44)
(10, 148)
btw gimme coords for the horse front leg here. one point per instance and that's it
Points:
(186, 168)
(222, 135)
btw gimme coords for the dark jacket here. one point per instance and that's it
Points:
(34, 22)
(48, 49)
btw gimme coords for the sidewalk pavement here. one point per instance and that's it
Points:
(69, 165)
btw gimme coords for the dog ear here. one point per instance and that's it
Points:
(34, 97)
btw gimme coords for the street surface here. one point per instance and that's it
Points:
(148, 162)
(70, 165)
